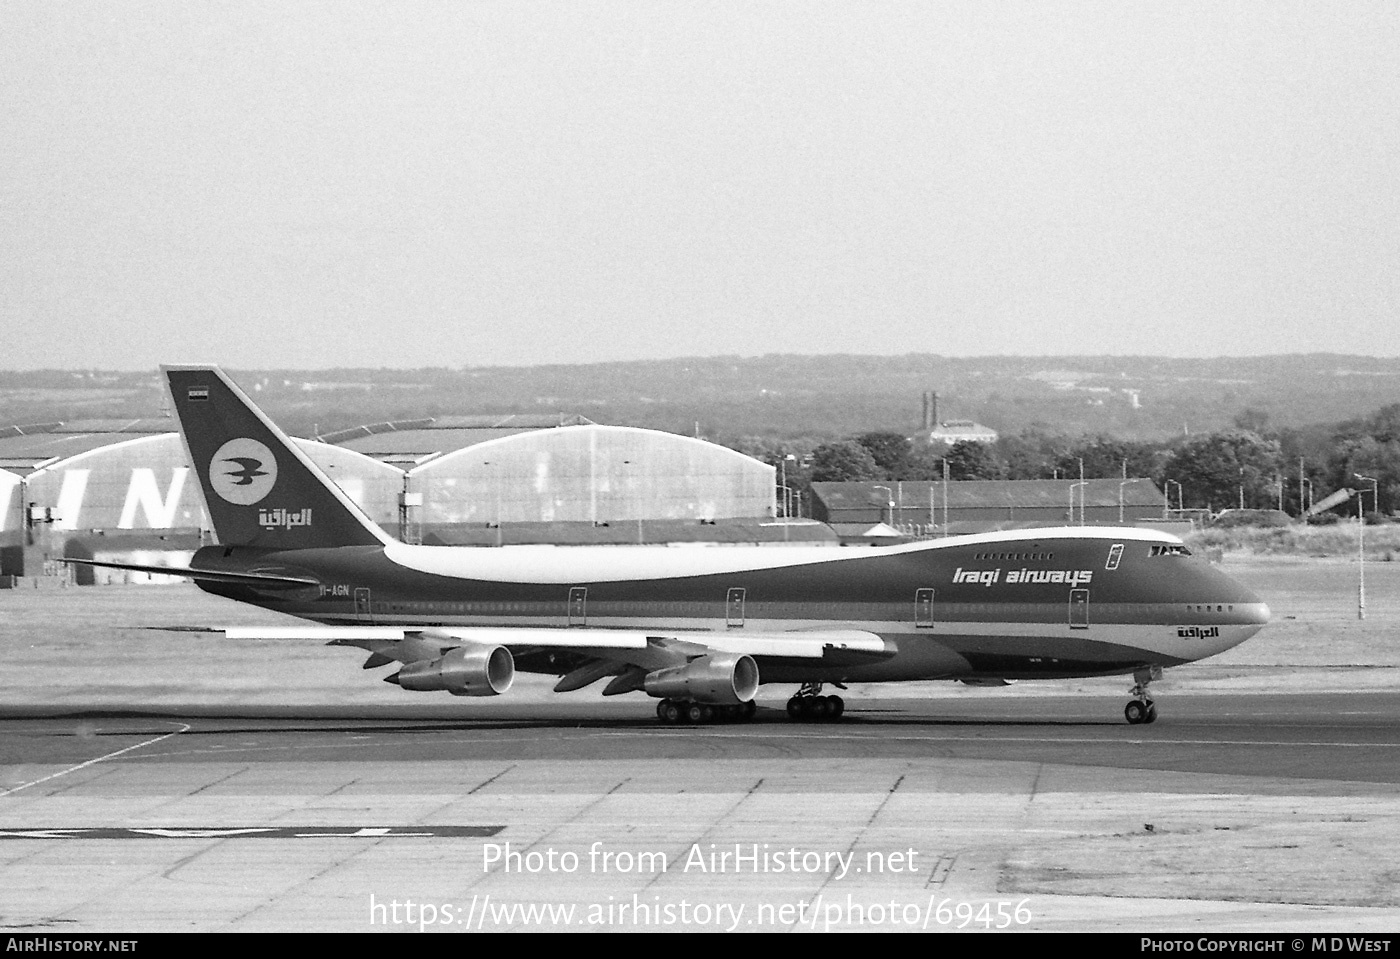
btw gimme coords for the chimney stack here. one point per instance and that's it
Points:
(930, 411)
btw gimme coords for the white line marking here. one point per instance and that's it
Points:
(828, 734)
(72, 769)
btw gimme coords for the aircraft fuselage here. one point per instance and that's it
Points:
(1029, 604)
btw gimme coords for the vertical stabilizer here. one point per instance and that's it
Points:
(260, 489)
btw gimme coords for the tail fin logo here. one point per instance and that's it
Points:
(243, 471)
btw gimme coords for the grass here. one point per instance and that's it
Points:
(1382, 542)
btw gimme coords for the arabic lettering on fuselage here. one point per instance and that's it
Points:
(1015, 577)
(1198, 632)
(283, 519)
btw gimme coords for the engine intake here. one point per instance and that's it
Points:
(720, 679)
(464, 671)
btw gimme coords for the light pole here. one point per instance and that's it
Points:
(783, 483)
(1080, 484)
(1120, 499)
(1361, 541)
(787, 498)
(889, 500)
(790, 499)
(1167, 493)
(1081, 489)
(945, 497)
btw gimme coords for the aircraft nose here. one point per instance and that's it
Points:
(1245, 607)
(1253, 613)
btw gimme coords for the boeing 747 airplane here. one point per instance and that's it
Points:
(698, 629)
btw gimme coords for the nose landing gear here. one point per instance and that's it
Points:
(1141, 709)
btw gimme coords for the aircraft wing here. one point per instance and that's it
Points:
(798, 644)
(645, 649)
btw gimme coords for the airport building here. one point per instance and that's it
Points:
(122, 489)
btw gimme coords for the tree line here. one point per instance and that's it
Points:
(1249, 465)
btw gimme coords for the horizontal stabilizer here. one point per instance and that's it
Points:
(261, 580)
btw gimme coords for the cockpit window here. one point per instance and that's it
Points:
(1170, 549)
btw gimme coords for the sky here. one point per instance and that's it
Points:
(409, 184)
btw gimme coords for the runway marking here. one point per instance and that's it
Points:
(808, 735)
(184, 727)
(1042, 740)
(253, 832)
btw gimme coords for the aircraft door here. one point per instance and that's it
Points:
(734, 608)
(923, 609)
(1079, 609)
(578, 605)
(364, 612)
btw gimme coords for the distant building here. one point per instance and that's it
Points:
(947, 432)
(958, 431)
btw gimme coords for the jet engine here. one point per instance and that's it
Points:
(718, 679)
(464, 671)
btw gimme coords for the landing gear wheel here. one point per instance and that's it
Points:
(810, 706)
(699, 713)
(668, 711)
(1142, 709)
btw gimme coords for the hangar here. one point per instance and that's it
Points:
(483, 480)
(106, 488)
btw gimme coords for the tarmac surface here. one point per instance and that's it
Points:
(154, 782)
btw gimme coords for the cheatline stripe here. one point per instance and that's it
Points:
(562, 564)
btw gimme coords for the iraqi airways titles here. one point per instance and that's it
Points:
(990, 577)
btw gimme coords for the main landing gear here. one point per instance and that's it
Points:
(810, 706)
(675, 712)
(1141, 709)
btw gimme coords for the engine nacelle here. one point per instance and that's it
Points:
(474, 670)
(720, 679)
